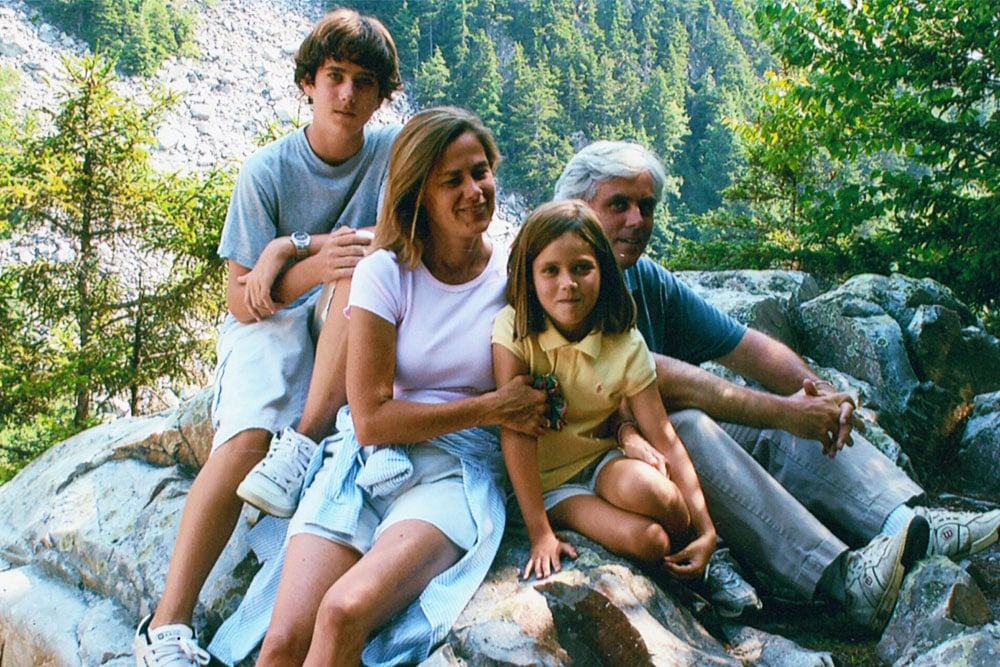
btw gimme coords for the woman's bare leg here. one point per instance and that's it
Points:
(312, 565)
(207, 522)
(384, 582)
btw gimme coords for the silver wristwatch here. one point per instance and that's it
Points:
(301, 241)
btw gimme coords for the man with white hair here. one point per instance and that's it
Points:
(781, 492)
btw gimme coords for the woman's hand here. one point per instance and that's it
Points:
(520, 407)
(344, 248)
(637, 447)
(259, 281)
(546, 553)
(690, 562)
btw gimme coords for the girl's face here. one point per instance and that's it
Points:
(567, 281)
(460, 192)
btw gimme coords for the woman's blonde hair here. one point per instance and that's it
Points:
(403, 226)
(614, 311)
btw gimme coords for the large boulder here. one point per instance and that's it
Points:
(89, 526)
(920, 351)
(979, 452)
(96, 516)
(766, 300)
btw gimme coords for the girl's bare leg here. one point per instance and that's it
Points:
(638, 487)
(620, 531)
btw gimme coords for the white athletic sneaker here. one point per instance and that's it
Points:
(729, 593)
(875, 573)
(274, 485)
(172, 645)
(957, 534)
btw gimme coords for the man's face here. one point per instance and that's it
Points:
(625, 207)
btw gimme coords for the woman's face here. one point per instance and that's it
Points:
(460, 192)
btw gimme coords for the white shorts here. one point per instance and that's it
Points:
(263, 372)
(434, 493)
(582, 483)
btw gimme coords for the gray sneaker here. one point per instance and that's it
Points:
(875, 573)
(274, 484)
(956, 534)
(172, 645)
(729, 593)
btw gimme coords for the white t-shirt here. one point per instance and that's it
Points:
(443, 349)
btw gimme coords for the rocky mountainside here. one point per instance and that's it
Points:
(239, 85)
(240, 82)
(88, 527)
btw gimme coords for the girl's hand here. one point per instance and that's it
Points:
(637, 447)
(690, 562)
(259, 282)
(520, 407)
(546, 554)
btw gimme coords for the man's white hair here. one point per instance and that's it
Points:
(603, 160)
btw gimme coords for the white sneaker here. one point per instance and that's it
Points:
(875, 573)
(957, 534)
(274, 485)
(172, 645)
(729, 593)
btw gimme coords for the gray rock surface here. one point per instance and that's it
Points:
(939, 601)
(979, 452)
(90, 525)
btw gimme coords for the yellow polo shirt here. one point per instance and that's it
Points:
(595, 374)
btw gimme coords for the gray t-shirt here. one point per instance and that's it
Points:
(285, 187)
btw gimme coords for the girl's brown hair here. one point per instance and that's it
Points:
(403, 226)
(349, 36)
(614, 311)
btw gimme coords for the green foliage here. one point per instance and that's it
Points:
(875, 149)
(130, 308)
(551, 75)
(9, 87)
(143, 33)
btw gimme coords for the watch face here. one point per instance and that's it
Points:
(301, 241)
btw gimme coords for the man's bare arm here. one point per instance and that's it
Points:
(803, 404)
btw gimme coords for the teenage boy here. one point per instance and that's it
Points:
(290, 228)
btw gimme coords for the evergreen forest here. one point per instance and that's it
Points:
(830, 136)
(549, 76)
(140, 33)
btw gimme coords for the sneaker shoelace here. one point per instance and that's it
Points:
(722, 572)
(180, 651)
(284, 469)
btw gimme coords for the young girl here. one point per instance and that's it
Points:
(571, 322)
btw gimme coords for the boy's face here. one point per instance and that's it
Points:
(344, 95)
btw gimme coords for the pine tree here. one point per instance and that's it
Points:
(433, 81)
(100, 325)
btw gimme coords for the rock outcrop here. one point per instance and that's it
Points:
(89, 526)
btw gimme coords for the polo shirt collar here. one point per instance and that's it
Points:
(551, 339)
